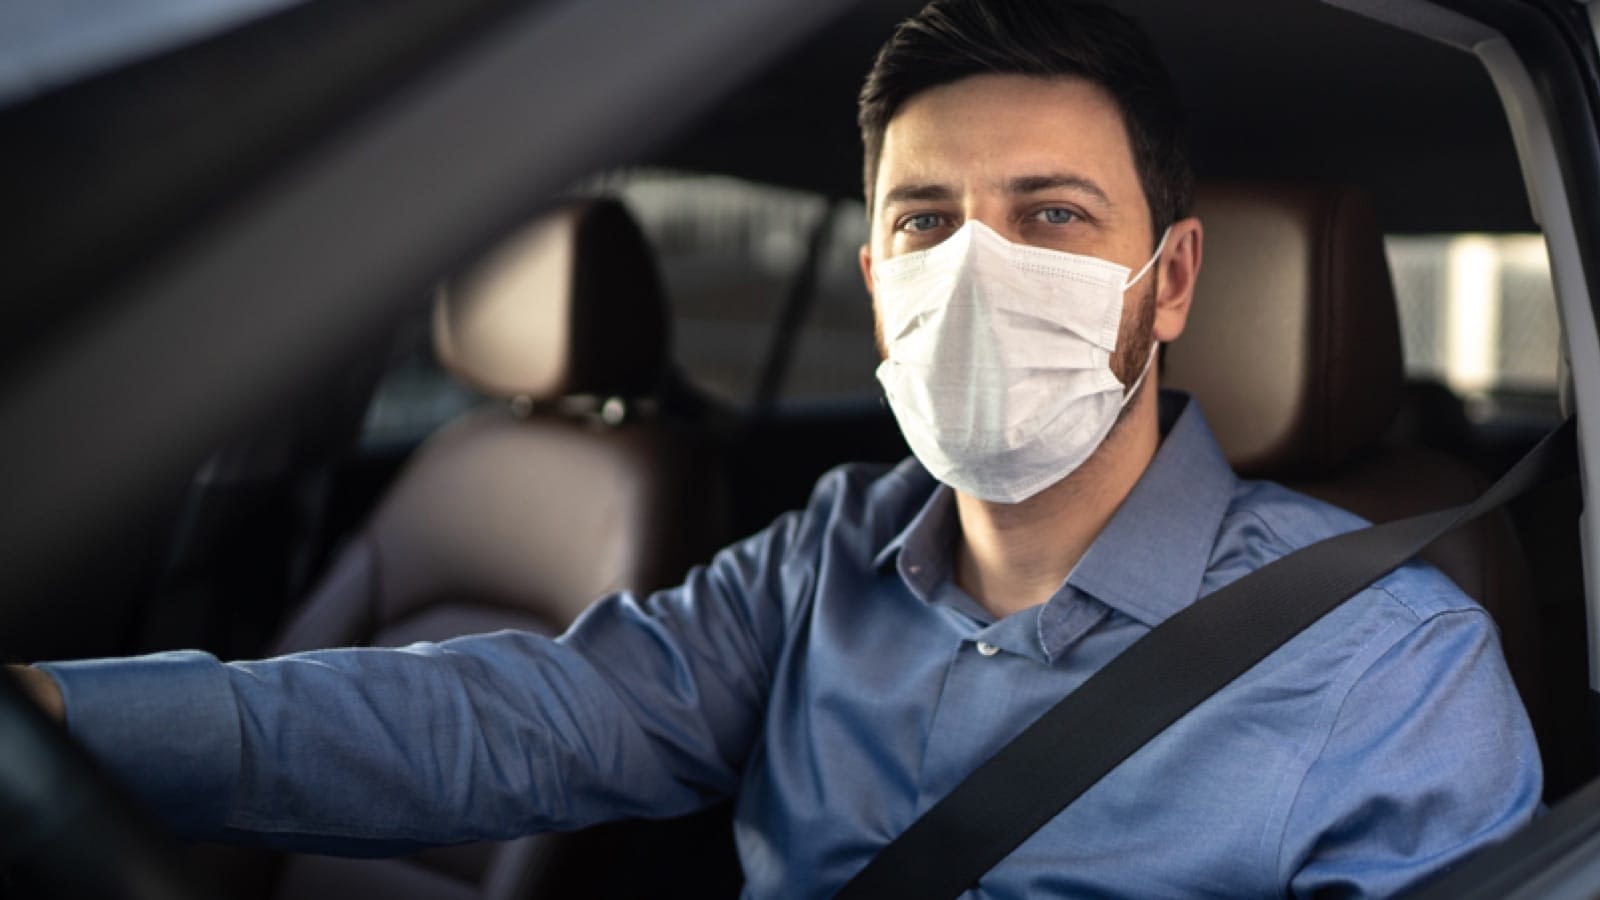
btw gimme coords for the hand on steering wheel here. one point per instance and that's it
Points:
(70, 831)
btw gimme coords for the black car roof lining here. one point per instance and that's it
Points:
(1275, 88)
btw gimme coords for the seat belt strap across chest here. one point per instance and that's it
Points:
(1152, 684)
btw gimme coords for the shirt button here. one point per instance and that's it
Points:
(987, 649)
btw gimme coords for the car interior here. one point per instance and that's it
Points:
(658, 341)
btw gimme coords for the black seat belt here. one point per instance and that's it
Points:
(1152, 684)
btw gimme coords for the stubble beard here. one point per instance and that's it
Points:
(1128, 360)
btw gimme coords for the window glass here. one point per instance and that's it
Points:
(731, 252)
(837, 353)
(1477, 311)
(415, 397)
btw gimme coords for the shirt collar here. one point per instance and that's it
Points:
(1151, 558)
(921, 551)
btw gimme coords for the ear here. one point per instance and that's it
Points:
(866, 268)
(1179, 267)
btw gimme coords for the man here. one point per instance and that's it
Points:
(843, 670)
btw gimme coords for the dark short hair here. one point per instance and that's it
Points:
(953, 39)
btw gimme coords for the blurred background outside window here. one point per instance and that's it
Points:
(1477, 311)
(730, 253)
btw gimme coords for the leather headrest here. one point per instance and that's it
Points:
(1293, 343)
(572, 304)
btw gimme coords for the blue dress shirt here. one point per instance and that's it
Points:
(829, 675)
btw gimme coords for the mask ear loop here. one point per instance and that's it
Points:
(1154, 345)
(1162, 245)
(1139, 382)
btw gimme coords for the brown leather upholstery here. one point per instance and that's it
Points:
(524, 520)
(1293, 351)
(528, 318)
(532, 510)
(1293, 345)
(519, 514)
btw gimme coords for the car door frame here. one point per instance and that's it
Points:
(1542, 57)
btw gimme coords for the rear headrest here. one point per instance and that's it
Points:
(572, 304)
(1293, 343)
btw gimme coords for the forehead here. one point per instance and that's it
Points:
(992, 127)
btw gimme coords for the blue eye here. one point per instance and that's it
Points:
(921, 222)
(1055, 215)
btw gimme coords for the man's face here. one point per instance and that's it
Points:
(1044, 162)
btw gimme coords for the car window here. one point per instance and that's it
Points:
(731, 251)
(1477, 313)
(415, 397)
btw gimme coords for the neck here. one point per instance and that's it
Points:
(1010, 556)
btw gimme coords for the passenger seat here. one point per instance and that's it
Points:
(573, 483)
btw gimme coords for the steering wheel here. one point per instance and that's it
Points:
(69, 831)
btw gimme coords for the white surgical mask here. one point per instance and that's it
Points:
(999, 359)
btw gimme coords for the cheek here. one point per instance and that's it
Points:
(877, 332)
(1138, 319)
(1133, 339)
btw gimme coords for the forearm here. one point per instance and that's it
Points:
(645, 708)
(372, 750)
(482, 737)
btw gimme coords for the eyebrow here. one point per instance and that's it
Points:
(1037, 184)
(917, 193)
(1020, 185)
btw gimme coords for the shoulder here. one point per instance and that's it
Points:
(872, 485)
(1415, 748)
(854, 509)
(1267, 520)
(873, 501)
(1281, 519)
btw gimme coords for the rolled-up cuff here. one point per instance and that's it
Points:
(166, 725)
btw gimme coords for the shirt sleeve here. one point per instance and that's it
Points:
(646, 707)
(1429, 757)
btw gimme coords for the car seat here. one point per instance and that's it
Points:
(1293, 350)
(574, 482)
